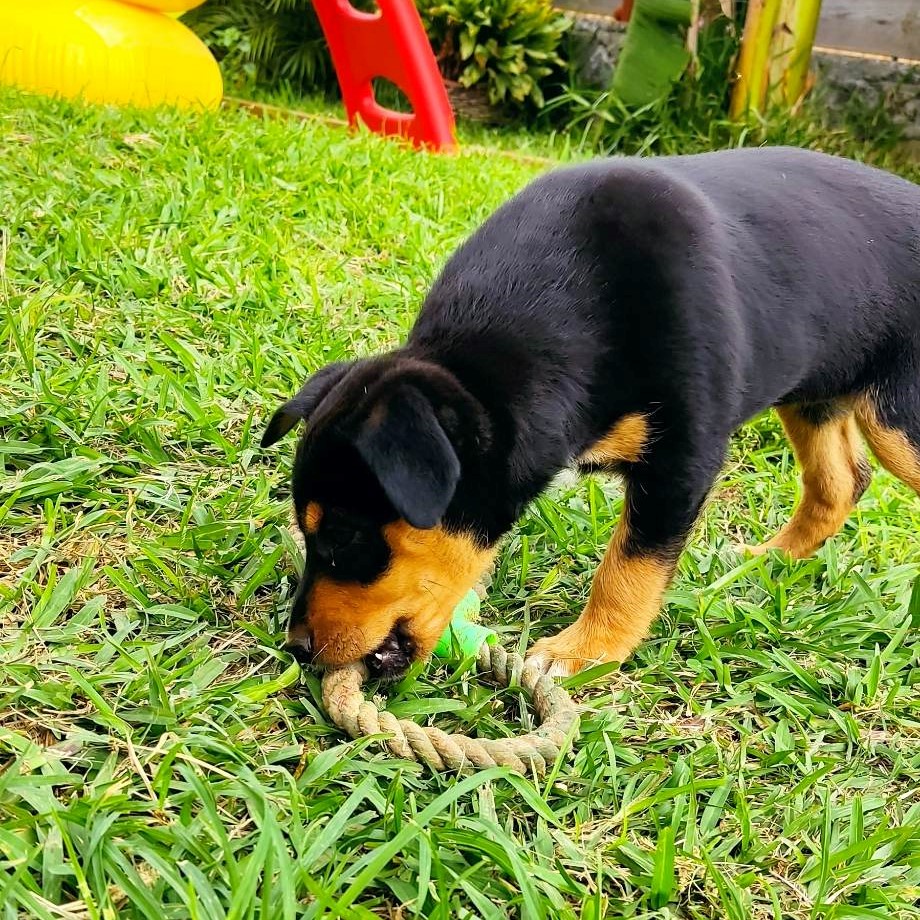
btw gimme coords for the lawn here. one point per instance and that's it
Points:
(164, 282)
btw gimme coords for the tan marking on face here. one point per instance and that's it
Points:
(626, 596)
(625, 441)
(312, 516)
(834, 476)
(430, 570)
(892, 447)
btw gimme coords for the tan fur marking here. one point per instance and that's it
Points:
(625, 441)
(892, 447)
(834, 475)
(626, 597)
(312, 515)
(430, 571)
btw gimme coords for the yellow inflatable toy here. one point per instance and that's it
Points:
(107, 51)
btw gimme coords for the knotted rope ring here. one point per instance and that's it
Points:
(532, 753)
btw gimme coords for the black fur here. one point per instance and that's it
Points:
(698, 290)
(302, 405)
(410, 456)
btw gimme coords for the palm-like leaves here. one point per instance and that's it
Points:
(510, 46)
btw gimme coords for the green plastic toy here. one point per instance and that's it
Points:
(467, 634)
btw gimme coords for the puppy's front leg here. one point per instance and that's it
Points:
(625, 598)
(664, 494)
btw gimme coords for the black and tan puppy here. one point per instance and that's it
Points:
(628, 315)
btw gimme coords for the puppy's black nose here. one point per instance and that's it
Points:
(302, 650)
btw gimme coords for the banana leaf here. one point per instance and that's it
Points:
(655, 52)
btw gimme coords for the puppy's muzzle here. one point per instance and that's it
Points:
(301, 649)
(393, 656)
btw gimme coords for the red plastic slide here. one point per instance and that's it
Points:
(391, 44)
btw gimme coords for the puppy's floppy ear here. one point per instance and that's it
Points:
(403, 443)
(300, 407)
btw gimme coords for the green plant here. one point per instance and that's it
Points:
(271, 41)
(511, 46)
(655, 52)
(775, 54)
(689, 117)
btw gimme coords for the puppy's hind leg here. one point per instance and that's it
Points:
(827, 445)
(889, 417)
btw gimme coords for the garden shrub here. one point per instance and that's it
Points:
(511, 48)
(270, 41)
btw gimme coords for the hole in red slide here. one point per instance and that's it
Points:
(390, 96)
(364, 6)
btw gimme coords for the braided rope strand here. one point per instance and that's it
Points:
(534, 752)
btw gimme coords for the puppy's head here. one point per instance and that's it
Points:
(377, 488)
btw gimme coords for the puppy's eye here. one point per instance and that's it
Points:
(326, 548)
(337, 536)
(340, 539)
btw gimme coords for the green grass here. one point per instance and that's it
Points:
(164, 281)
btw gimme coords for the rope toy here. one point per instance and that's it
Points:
(532, 753)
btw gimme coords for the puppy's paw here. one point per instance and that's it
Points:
(780, 546)
(553, 667)
(569, 652)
